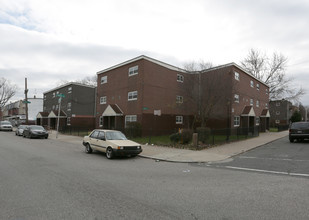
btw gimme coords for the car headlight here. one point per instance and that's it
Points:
(120, 147)
(138, 147)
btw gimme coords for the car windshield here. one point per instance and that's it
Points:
(22, 126)
(300, 126)
(37, 128)
(6, 123)
(115, 135)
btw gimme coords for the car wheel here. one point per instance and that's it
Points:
(88, 149)
(291, 140)
(109, 153)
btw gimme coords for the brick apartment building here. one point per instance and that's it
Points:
(164, 98)
(281, 112)
(77, 106)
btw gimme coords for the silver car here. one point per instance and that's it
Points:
(6, 126)
(20, 130)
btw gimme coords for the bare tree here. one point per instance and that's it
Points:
(88, 80)
(272, 71)
(208, 91)
(7, 91)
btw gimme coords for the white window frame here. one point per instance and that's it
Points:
(179, 99)
(237, 76)
(132, 96)
(54, 95)
(257, 103)
(277, 122)
(130, 118)
(70, 90)
(257, 86)
(236, 98)
(101, 121)
(251, 102)
(103, 100)
(179, 119)
(257, 121)
(69, 106)
(133, 70)
(103, 79)
(69, 121)
(180, 78)
(252, 83)
(236, 121)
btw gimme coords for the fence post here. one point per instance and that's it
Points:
(195, 140)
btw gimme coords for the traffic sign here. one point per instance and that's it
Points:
(26, 101)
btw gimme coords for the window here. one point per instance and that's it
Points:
(69, 121)
(130, 118)
(237, 76)
(277, 121)
(179, 119)
(53, 107)
(236, 98)
(69, 106)
(180, 78)
(266, 105)
(257, 86)
(278, 104)
(133, 70)
(101, 121)
(44, 97)
(103, 100)
(257, 121)
(266, 91)
(70, 90)
(236, 121)
(277, 112)
(179, 99)
(132, 96)
(251, 102)
(257, 103)
(252, 84)
(54, 95)
(103, 79)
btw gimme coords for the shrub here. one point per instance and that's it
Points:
(203, 134)
(175, 138)
(133, 129)
(186, 136)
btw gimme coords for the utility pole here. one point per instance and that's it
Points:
(60, 97)
(26, 100)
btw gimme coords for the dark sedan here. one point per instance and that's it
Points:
(299, 131)
(35, 131)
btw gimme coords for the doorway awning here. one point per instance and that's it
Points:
(54, 114)
(42, 115)
(112, 110)
(265, 113)
(248, 111)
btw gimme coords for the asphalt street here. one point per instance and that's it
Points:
(278, 157)
(49, 179)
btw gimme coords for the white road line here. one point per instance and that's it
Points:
(267, 171)
(265, 158)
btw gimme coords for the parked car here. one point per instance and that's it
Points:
(35, 131)
(20, 130)
(299, 131)
(112, 143)
(6, 126)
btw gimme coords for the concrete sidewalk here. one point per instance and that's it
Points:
(214, 154)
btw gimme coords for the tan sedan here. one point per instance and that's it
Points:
(113, 143)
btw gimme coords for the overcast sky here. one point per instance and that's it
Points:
(50, 41)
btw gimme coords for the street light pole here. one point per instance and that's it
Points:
(58, 116)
